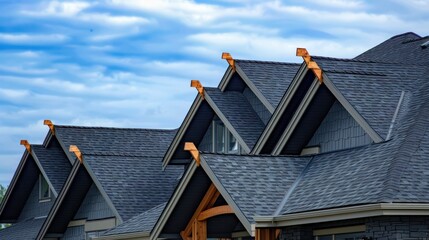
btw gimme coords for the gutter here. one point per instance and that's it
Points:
(344, 213)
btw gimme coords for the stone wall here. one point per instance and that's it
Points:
(377, 228)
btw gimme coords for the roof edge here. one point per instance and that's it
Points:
(343, 213)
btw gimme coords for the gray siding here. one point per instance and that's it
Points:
(33, 208)
(339, 131)
(257, 105)
(74, 233)
(94, 206)
(206, 144)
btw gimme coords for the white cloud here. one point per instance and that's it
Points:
(23, 38)
(345, 4)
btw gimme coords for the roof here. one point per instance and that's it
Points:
(271, 78)
(54, 163)
(275, 177)
(142, 223)
(403, 48)
(24, 230)
(239, 113)
(137, 141)
(133, 183)
(372, 88)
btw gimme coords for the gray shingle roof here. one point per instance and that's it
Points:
(404, 48)
(25, 230)
(239, 113)
(143, 222)
(147, 142)
(257, 184)
(134, 183)
(55, 164)
(373, 89)
(271, 78)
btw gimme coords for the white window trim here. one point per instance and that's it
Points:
(43, 199)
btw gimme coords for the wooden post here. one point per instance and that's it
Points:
(266, 234)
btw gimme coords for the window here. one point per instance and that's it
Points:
(224, 141)
(341, 233)
(44, 193)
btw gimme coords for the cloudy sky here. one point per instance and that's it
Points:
(128, 63)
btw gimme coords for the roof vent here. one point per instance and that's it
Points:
(425, 45)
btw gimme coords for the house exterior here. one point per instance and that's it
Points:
(327, 149)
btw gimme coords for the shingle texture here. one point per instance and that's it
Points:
(271, 78)
(404, 48)
(257, 184)
(133, 141)
(25, 230)
(127, 163)
(143, 222)
(55, 164)
(239, 113)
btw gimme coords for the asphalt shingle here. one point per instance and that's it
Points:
(25, 230)
(239, 113)
(271, 78)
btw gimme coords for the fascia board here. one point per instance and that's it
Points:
(165, 215)
(355, 114)
(42, 170)
(14, 180)
(226, 78)
(226, 122)
(240, 215)
(296, 117)
(103, 192)
(336, 214)
(284, 102)
(254, 89)
(179, 135)
(58, 201)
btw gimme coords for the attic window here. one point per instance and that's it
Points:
(44, 193)
(218, 139)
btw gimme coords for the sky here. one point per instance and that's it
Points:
(128, 63)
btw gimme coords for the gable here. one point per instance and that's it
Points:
(94, 206)
(34, 206)
(338, 131)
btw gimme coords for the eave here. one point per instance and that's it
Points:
(344, 213)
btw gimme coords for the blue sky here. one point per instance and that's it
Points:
(128, 63)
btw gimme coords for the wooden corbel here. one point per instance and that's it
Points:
(74, 149)
(50, 125)
(196, 84)
(302, 52)
(26, 144)
(229, 59)
(190, 146)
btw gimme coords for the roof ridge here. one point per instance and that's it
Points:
(267, 61)
(115, 128)
(117, 154)
(406, 33)
(415, 40)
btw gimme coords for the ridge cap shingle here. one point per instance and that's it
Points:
(266, 62)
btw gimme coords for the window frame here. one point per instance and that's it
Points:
(338, 230)
(42, 180)
(226, 138)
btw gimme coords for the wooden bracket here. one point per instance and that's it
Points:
(50, 125)
(229, 59)
(196, 84)
(190, 146)
(74, 149)
(302, 52)
(26, 144)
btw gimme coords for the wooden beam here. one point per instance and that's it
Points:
(212, 193)
(196, 84)
(190, 146)
(302, 52)
(215, 211)
(26, 144)
(266, 234)
(50, 125)
(229, 59)
(77, 152)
